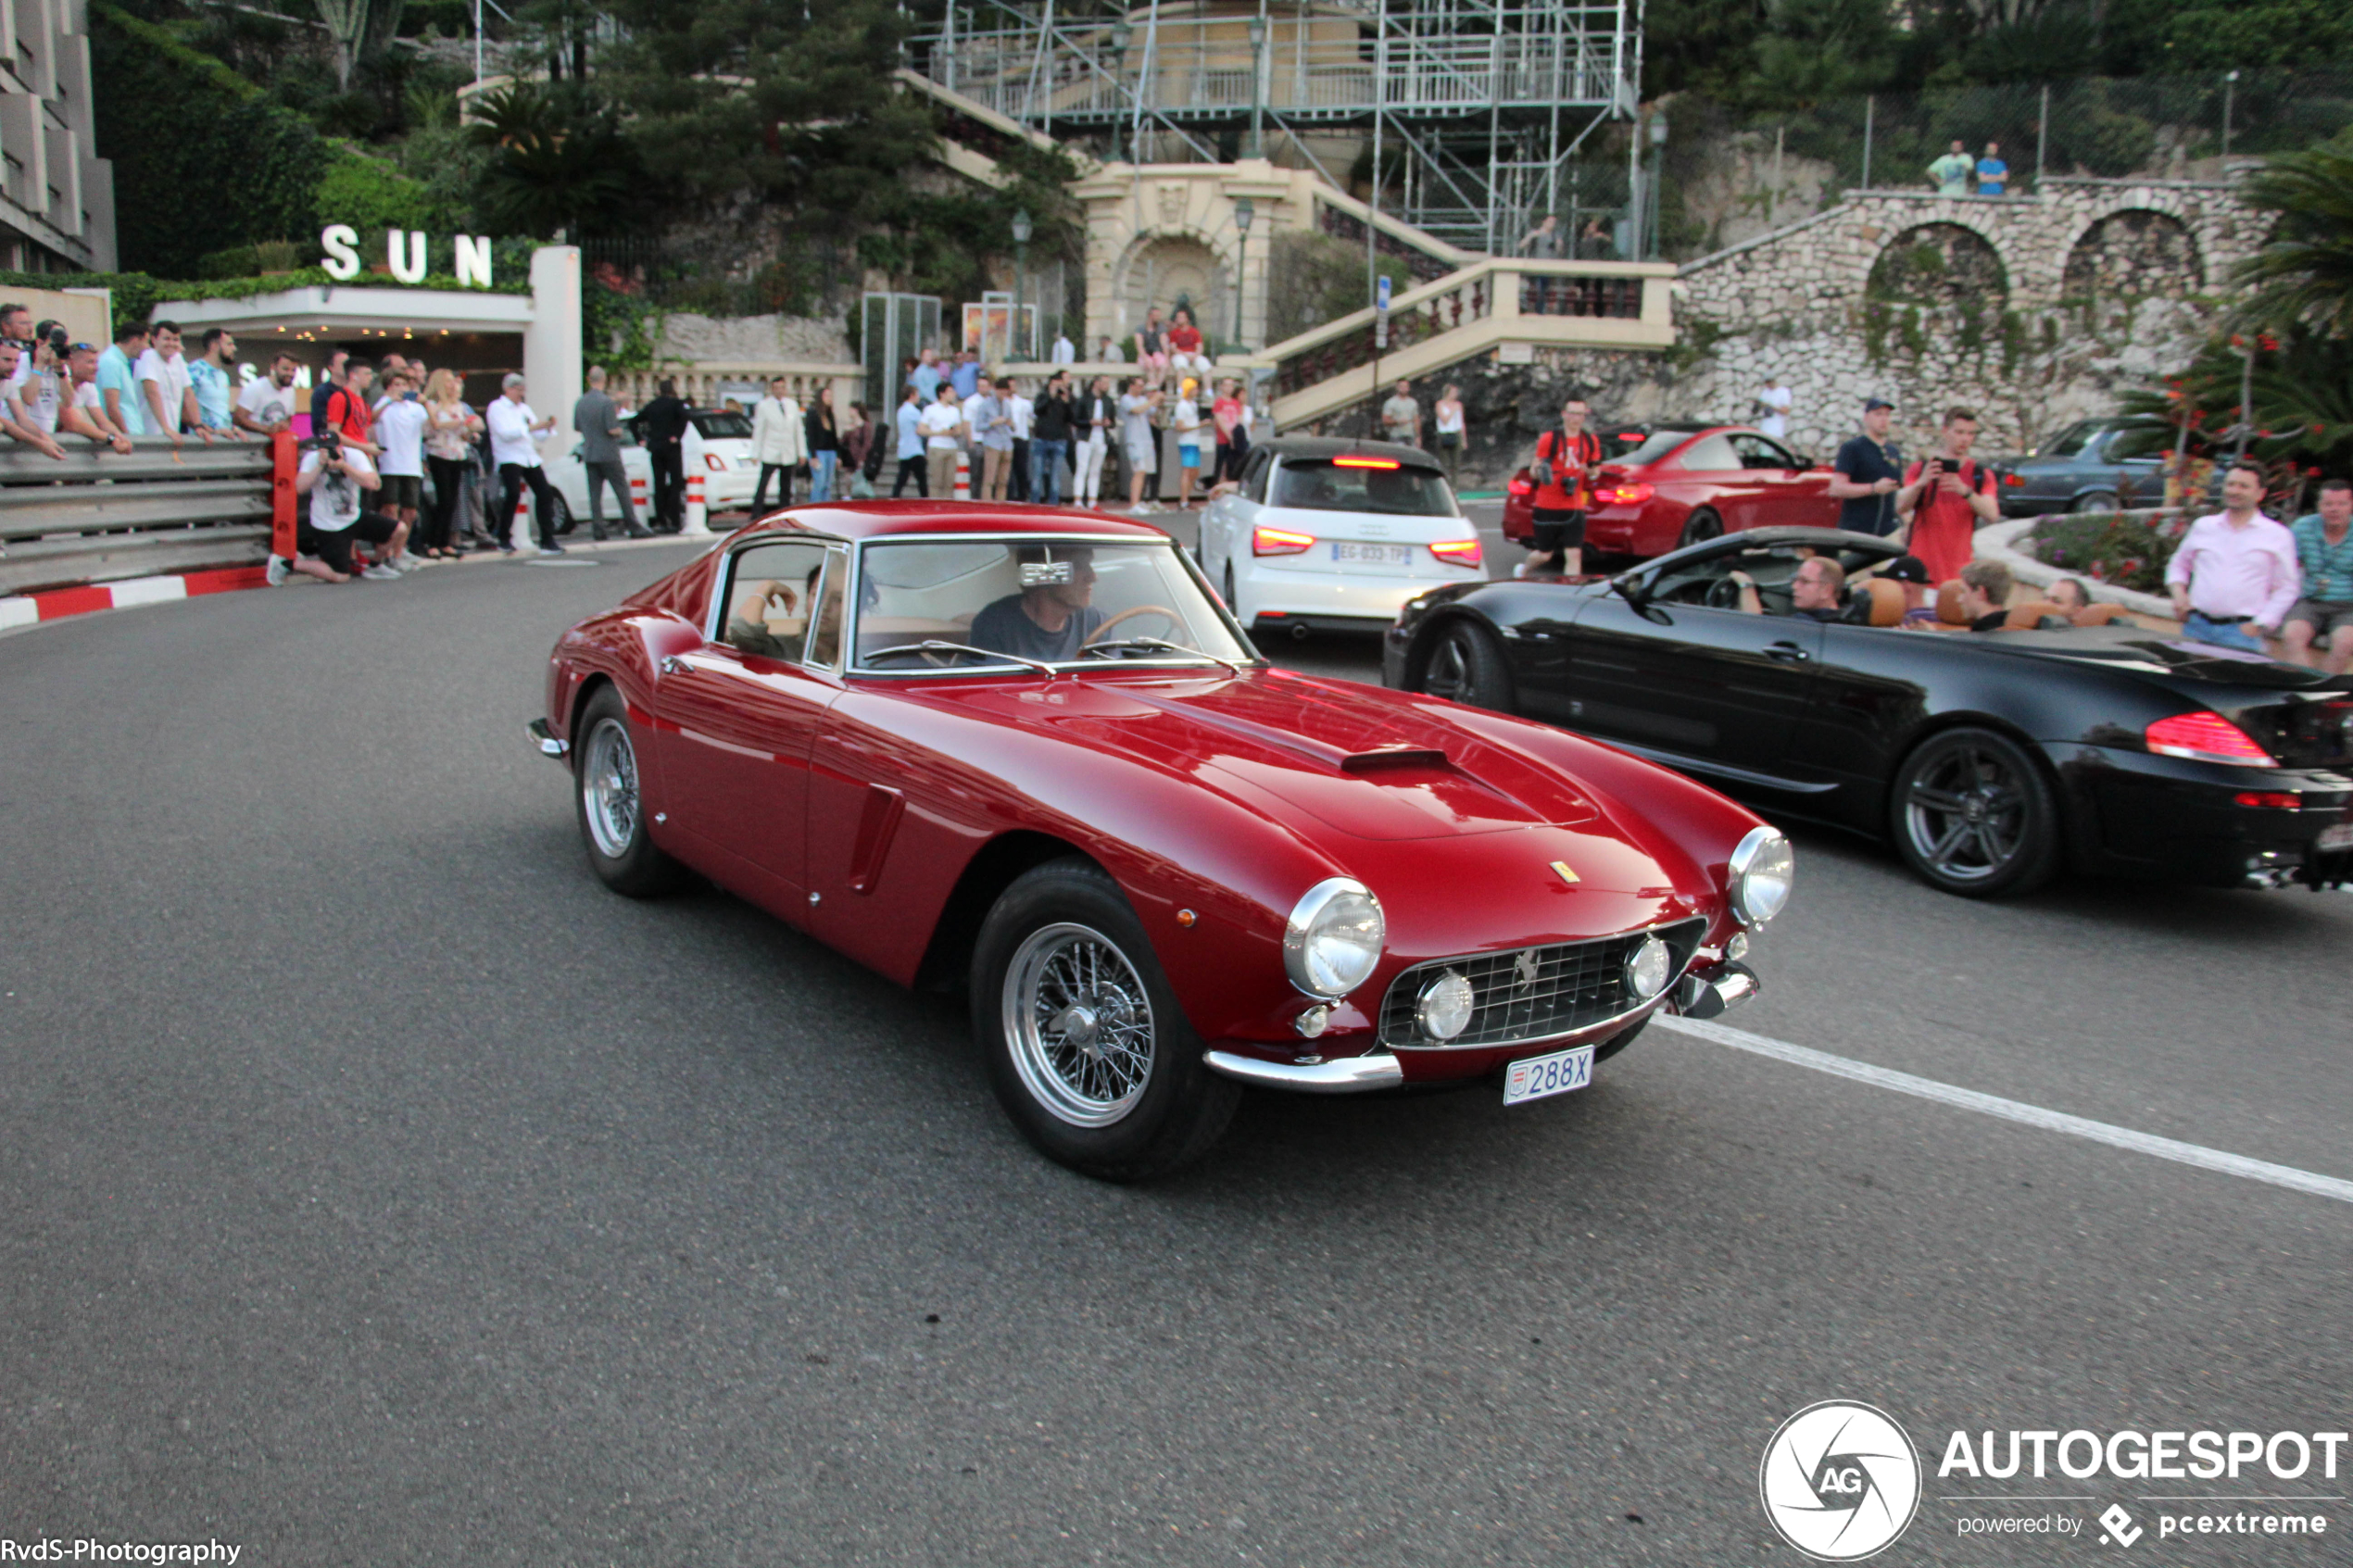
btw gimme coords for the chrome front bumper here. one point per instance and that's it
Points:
(544, 739)
(1703, 992)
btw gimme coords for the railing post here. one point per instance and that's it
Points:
(282, 494)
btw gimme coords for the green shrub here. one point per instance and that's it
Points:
(371, 196)
(2116, 547)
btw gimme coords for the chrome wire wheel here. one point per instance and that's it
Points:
(1967, 815)
(1079, 1023)
(609, 787)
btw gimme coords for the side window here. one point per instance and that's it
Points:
(1760, 452)
(1255, 476)
(769, 592)
(1710, 454)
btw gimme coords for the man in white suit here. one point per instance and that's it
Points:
(780, 441)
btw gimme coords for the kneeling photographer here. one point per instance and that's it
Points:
(335, 477)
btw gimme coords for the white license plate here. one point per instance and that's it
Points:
(2335, 838)
(1375, 554)
(1554, 1075)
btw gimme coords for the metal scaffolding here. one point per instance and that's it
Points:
(1489, 103)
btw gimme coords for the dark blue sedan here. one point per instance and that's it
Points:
(2092, 466)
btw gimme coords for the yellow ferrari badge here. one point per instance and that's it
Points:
(1566, 874)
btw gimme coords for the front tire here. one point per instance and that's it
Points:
(1973, 815)
(1466, 667)
(2098, 501)
(1087, 1047)
(612, 804)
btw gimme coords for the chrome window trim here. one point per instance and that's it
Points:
(1185, 559)
(1652, 1004)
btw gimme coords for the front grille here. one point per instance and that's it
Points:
(1532, 993)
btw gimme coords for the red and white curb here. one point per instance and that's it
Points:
(25, 610)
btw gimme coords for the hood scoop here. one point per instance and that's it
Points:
(1385, 757)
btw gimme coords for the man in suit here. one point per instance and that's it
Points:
(661, 425)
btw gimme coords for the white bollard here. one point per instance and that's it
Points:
(963, 491)
(697, 515)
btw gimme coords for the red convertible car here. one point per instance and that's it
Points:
(1666, 485)
(1026, 752)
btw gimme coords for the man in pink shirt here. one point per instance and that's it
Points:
(2236, 576)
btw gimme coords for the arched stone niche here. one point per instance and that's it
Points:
(2135, 253)
(1942, 268)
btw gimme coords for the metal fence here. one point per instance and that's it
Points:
(2151, 126)
(100, 517)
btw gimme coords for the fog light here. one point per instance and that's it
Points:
(1737, 948)
(1444, 1009)
(1648, 969)
(1312, 1022)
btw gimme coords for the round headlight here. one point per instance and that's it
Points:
(1762, 869)
(1648, 969)
(1334, 938)
(1444, 1008)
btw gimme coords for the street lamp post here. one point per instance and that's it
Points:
(1257, 85)
(1243, 213)
(1120, 33)
(1022, 231)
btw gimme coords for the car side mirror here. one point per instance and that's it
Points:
(1632, 588)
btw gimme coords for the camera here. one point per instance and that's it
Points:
(60, 341)
(329, 441)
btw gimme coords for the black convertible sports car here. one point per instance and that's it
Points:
(1991, 760)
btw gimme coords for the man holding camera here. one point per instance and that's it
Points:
(1566, 457)
(1944, 499)
(337, 476)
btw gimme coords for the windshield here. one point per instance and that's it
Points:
(1055, 602)
(1362, 484)
(721, 425)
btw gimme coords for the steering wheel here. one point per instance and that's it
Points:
(1723, 594)
(1175, 624)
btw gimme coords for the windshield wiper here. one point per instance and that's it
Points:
(1227, 665)
(936, 645)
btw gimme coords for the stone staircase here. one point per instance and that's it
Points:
(1496, 305)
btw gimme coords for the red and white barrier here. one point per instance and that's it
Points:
(963, 491)
(697, 515)
(24, 609)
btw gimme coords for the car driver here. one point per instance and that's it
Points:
(1050, 617)
(1813, 593)
(766, 602)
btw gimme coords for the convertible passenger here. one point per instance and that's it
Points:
(1985, 596)
(1050, 617)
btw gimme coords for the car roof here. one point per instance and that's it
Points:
(882, 520)
(1317, 446)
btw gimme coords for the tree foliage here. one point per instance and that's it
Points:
(2303, 274)
(202, 161)
(558, 162)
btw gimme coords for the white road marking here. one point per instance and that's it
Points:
(2017, 1111)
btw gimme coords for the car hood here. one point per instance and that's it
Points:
(1310, 753)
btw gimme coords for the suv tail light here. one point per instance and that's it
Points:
(1520, 485)
(1458, 552)
(1265, 541)
(2205, 737)
(1627, 494)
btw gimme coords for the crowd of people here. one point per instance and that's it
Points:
(1068, 439)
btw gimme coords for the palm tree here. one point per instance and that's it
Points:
(2303, 274)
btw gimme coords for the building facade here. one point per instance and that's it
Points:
(56, 195)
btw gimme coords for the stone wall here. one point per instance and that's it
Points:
(689, 339)
(2032, 312)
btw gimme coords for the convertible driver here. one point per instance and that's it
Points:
(1049, 619)
(1813, 593)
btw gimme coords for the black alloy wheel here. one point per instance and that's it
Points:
(611, 805)
(1973, 815)
(1700, 527)
(1466, 667)
(1087, 1047)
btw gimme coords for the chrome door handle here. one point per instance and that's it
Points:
(673, 665)
(1788, 653)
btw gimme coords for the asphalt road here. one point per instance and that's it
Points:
(380, 1190)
